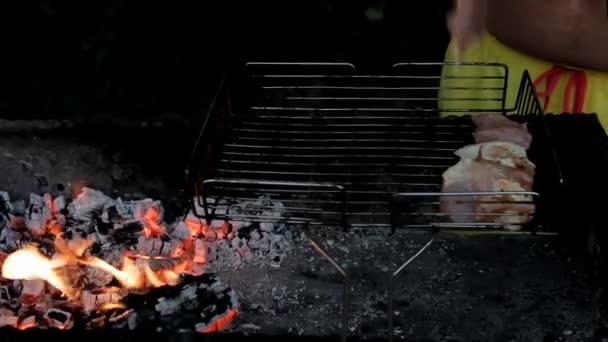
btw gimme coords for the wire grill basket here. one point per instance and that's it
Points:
(320, 143)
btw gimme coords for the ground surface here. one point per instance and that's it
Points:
(460, 289)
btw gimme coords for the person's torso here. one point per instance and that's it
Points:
(545, 26)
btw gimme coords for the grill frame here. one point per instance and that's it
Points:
(295, 120)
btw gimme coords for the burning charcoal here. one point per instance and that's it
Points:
(37, 215)
(8, 318)
(158, 264)
(32, 291)
(27, 323)
(58, 205)
(16, 222)
(11, 238)
(223, 230)
(88, 203)
(201, 251)
(97, 277)
(155, 247)
(59, 319)
(92, 302)
(195, 225)
(128, 230)
(54, 227)
(110, 215)
(197, 269)
(44, 304)
(171, 309)
(181, 232)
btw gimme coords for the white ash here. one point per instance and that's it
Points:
(181, 232)
(88, 203)
(262, 248)
(37, 215)
(59, 319)
(156, 247)
(97, 277)
(32, 290)
(58, 205)
(91, 302)
(120, 211)
(10, 239)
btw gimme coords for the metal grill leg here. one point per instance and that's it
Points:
(390, 292)
(345, 278)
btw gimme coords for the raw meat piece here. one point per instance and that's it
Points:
(470, 175)
(490, 121)
(505, 153)
(495, 127)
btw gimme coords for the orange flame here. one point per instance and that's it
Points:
(29, 263)
(112, 306)
(137, 276)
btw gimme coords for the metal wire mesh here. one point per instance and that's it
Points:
(341, 148)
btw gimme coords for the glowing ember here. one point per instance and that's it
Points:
(221, 323)
(79, 272)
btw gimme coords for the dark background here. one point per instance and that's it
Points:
(135, 59)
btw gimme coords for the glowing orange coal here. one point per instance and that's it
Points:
(221, 323)
(151, 225)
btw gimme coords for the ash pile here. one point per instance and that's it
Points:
(98, 262)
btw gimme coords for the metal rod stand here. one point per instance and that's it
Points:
(391, 289)
(345, 279)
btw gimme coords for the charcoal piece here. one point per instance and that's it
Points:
(156, 247)
(181, 232)
(129, 231)
(59, 319)
(8, 318)
(32, 291)
(5, 203)
(88, 203)
(158, 264)
(110, 215)
(196, 302)
(5, 294)
(92, 301)
(37, 215)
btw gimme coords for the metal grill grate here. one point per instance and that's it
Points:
(340, 148)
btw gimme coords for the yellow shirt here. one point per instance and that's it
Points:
(489, 49)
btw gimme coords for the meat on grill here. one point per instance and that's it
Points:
(496, 127)
(504, 153)
(473, 175)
